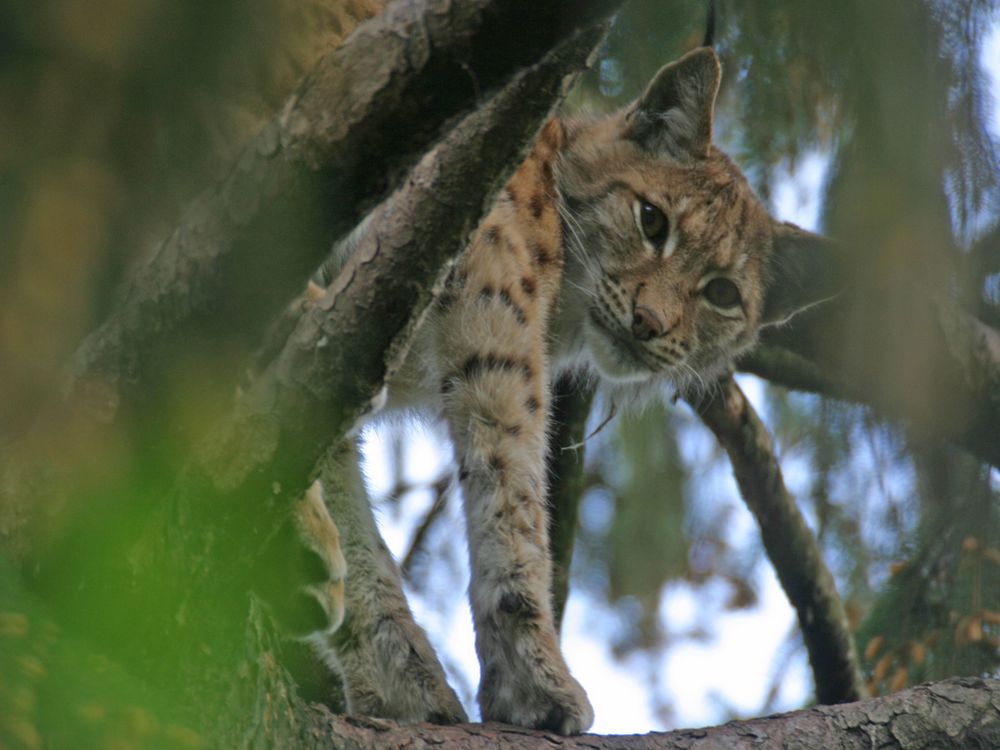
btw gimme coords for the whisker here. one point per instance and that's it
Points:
(576, 231)
(703, 388)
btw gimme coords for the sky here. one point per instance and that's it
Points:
(991, 62)
(729, 670)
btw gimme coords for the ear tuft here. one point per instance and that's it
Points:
(804, 271)
(674, 115)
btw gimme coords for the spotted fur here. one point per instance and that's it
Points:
(566, 272)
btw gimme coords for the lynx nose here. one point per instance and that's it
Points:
(646, 324)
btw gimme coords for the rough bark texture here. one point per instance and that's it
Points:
(337, 360)
(789, 543)
(247, 244)
(363, 115)
(958, 713)
(238, 489)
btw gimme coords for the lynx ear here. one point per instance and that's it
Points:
(675, 112)
(804, 270)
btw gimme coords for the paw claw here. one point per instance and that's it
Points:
(319, 533)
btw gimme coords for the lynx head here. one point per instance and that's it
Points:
(669, 253)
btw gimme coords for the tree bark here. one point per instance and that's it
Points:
(352, 128)
(789, 543)
(957, 713)
(345, 348)
(248, 244)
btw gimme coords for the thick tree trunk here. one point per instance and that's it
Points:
(352, 128)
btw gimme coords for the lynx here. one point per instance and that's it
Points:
(628, 247)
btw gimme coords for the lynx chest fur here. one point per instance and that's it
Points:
(626, 247)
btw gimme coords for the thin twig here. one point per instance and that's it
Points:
(416, 547)
(612, 411)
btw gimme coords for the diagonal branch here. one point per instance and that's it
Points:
(346, 347)
(417, 547)
(789, 543)
(247, 245)
(352, 127)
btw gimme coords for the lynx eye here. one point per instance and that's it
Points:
(722, 293)
(653, 222)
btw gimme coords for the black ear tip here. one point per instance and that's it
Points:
(687, 89)
(700, 56)
(700, 64)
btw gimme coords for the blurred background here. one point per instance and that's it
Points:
(875, 123)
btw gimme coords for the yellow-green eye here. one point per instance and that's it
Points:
(653, 222)
(722, 293)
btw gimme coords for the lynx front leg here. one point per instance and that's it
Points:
(495, 405)
(491, 356)
(496, 416)
(388, 666)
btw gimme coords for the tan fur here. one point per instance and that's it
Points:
(560, 275)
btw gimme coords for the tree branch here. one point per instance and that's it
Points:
(571, 402)
(930, 365)
(956, 713)
(342, 140)
(345, 348)
(378, 100)
(416, 548)
(789, 543)
(790, 370)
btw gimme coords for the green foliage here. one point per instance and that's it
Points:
(57, 691)
(936, 615)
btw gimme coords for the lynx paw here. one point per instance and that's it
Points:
(390, 671)
(302, 571)
(545, 697)
(320, 534)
